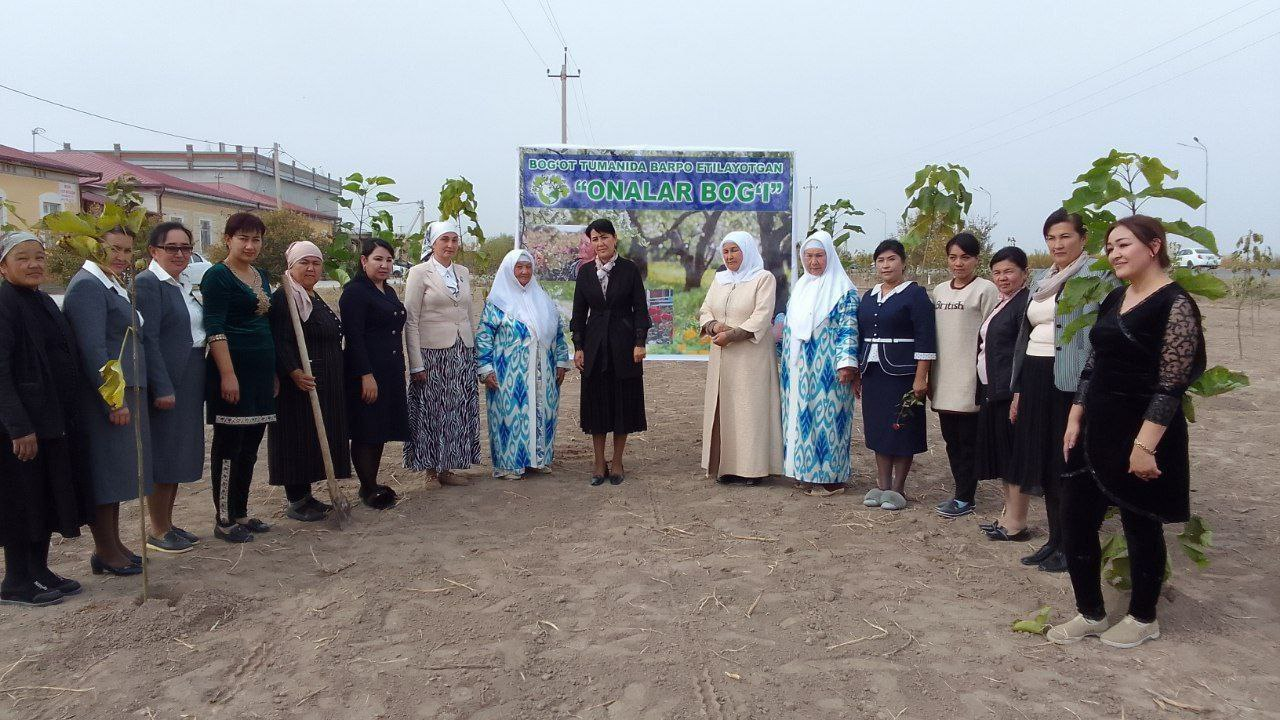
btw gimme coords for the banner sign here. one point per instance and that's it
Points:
(670, 208)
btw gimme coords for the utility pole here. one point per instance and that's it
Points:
(564, 95)
(34, 133)
(1201, 147)
(884, 220)
(275, 162)
(810, 187)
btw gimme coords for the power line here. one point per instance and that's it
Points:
(1103, 106)
(1056, 93)
(108, 119)
(549, 14)
(526, 35)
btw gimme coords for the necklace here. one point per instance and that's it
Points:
(255, 287)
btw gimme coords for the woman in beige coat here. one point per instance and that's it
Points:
(444, 405)
(742, 420)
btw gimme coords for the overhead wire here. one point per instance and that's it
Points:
(934, 143)
(108, 119)
(1100, 107)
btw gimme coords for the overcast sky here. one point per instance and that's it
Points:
(864, 93)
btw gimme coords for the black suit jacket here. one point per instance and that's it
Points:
(29, 399)
(608, 329)
(1000, 346)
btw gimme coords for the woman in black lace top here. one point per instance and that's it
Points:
(1127, 419)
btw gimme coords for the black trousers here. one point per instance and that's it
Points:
(1083, 509)
(297, 492)
(24, 562)
(233, 454)
(960, 433)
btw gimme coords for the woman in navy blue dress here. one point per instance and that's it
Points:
(897, 343)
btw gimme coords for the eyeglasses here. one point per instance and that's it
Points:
(177, 249)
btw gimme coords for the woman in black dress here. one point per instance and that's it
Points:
(377, 410)
(44, 487)
(293, 449)
(997, 339)
(1148, 347)
(610, 327)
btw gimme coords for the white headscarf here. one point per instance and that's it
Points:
(752, 263)
(814, 296)
(12, 239)
(435, 230)
(529, 304)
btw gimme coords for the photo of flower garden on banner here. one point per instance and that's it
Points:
(670, 208)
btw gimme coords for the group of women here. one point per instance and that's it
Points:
(1016, 389)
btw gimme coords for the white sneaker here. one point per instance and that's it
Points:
(1075, 630)
(1129, 633)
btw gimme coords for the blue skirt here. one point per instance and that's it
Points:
(881, 396)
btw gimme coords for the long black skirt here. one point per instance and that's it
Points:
(995, 441)
(1037, 435)
(46, 495)
(881, 398)
(293, 449)
(612, 405)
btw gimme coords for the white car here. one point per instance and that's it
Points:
(1196, 258)
(195, 271)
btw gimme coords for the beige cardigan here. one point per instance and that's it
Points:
(435, 320)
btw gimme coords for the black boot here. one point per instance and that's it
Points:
(1055, 563)
(40, 570)
(1039, 556)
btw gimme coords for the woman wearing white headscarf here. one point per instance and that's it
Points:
(293, 448)
(819, 363)
(444, 406)
(523, 358)
(741, 425)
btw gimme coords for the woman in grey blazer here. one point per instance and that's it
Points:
(1046, 370)
(98, 309)
(175, 378)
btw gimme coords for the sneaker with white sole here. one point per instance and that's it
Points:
(1129, 633)
(1075, 630)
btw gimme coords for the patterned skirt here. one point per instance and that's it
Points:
(444, 412)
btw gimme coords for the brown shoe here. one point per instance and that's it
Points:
(448, 478)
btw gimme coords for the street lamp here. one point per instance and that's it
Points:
(988, 192)
(34, 133)
(885, 217)
(1201, 147)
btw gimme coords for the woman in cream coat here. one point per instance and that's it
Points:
(742, 422)
(444, 414)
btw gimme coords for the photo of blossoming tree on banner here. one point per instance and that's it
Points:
(670, 208)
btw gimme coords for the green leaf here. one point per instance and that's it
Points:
(1218, 380)
(69, 223)
(1201, 283)
(356, 177)
(1155, 171)
(1081, 291)
(1084, 321)
(1188, 407)
(1198, 234)
(381, 180)
(1186, 196)
(83, 247)
(1194, 539)
(386, 197)
(1038, 624)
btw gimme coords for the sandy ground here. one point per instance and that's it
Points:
(666, 597)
